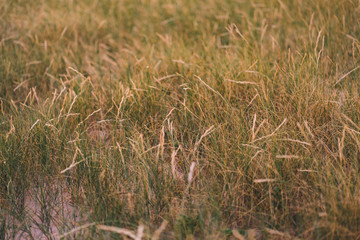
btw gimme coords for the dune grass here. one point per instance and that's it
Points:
(180, 119)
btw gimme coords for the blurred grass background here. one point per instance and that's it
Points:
(110, 102)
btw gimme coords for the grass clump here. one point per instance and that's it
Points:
(179, 119)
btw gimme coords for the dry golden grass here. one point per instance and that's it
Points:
(181, 119)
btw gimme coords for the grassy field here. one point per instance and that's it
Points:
(152, 119)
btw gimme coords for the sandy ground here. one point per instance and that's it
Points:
(48, 213)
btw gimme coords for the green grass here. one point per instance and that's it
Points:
(106, 105)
